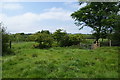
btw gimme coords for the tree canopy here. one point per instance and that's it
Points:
(97, 15)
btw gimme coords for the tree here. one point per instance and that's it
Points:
(5, 41)
(45, 31)
(96, 15)
(63, 39)
(31, 37)
(44, 40)
(116, 34)
(58, 35)
(75, 39)
(19, 37)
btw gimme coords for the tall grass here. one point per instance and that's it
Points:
(60, 62)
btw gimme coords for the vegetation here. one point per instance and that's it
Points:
(60, 37)
(97, 15)
(5, 41)
(44, 40)
(60, 62)
(116, 34)
(61, 55)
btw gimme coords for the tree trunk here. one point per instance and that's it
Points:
(97, 40)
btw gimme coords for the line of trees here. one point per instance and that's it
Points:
(44, 38)
(58, 38)
(102, 17)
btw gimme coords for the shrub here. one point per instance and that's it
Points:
(45, 31)
(58, 35)
(44, 40)
(5, 42)
(69, 40)
(64, 41)
(31, 37)
(75, 39)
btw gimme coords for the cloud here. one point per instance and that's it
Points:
(29, 22)
(51, 19)
(56, 13)
(39, 0)
(75, 5)
(72, 4)
(11, 6)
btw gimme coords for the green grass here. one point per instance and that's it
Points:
(59, 62)
(91, 41)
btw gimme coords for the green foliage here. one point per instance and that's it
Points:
(97, 16)
(76, 38)
(61, 37)
(60, 62)
(88, 36)
(116, 34)
(18, 37)
(64, 39)
(31, 37)
(5, 42)
(44, 40)
(45, 31)
(71, 39)
(59, 34)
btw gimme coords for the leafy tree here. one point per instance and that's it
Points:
(71, 39)
(64, 41)
(96, 15)
(12, 37)
(58, 35)
(44, 40)
(31, 37)
(103, 35)
(5, 41)
(75, 39)
(45, 31)
(116, 34)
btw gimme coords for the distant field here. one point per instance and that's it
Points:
(91, 41)
(60, 62)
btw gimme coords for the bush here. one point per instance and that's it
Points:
(44, 40)
(64, 41)
(5, 42)
(58, 35)
(31, 37)
(75, 39)
(69, 40)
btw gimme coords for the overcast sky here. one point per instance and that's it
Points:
(30, 17)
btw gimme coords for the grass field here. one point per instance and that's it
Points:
(60, 62)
